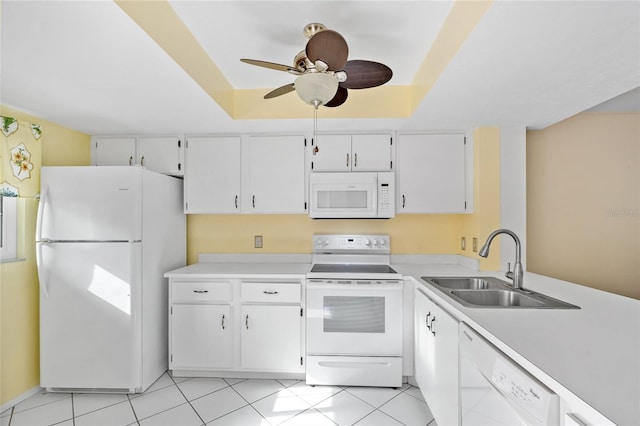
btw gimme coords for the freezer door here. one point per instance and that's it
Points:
(90, 315)
(90, 204)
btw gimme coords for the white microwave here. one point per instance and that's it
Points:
(352, 195)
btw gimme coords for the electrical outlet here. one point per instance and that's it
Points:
(257, 241)
(463, 243)
(475, 245)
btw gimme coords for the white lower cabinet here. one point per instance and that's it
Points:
(201, 336)
(270, 338)
(436, 359)
(236, 327)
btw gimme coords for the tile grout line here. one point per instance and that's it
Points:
(133, 410)
(73, 411)
(187, 399)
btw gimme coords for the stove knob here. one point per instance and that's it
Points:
(367, 242)
(381, 242)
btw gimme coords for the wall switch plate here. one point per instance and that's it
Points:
(257, 241)
(463, 243)
(475, 245)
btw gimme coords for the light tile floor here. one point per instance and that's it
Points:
(214, 401)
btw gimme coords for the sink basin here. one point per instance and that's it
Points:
(490, 292)
(497, 298)
(463, 283)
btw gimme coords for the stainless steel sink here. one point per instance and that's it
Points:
(489, 292)
(497, 298)
(463, 283)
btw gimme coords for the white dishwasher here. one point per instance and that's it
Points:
(494, 390)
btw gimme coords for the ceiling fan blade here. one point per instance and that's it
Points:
(329, 47)
(339, 98)
(271, 65)
(364, 74)
(282, 90)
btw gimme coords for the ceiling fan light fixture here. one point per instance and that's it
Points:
(316, 88)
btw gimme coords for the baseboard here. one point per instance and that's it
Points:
(15, 401)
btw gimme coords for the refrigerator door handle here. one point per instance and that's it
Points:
(43, 200)
(40, 267)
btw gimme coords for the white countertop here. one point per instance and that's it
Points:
(592, 353)
(237, 270)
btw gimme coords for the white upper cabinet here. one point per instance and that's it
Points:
(162, 154)
(275, 174)
(212, 175)
(115, 151)
(344, 153)
(431, 174)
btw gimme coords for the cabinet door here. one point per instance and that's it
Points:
(422, 340)
(212, 175)
(271, 338)
(431, 174)
(115, 151)
(444, 391)
(436, 359)
(371, 153)
(161, 154)
(331, 153)
(200, 336)
(276, 174)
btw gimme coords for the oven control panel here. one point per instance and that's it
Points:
(351, 243)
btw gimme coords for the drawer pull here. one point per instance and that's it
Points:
(201, 291)
(270, 292)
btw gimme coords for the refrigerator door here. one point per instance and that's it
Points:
(90, 316)
(90, 204)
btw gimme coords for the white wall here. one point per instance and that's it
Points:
(513, 192)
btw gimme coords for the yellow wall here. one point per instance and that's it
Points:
(19, 339)
(292, 233)
(486, 197)
(583, 201)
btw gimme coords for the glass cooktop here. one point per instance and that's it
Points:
(352, 268)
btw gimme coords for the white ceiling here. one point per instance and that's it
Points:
(88, 66)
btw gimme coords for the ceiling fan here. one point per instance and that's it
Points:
(323, 72)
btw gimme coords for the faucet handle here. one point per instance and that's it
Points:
(509, 273)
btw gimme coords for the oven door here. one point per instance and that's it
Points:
(354, 319)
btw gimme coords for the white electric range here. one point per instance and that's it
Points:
(354, 313)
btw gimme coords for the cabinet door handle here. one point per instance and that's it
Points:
(270, 292)
(142, 161)
(403, 200)
(236, 201)
(433, 329)
(426, 320)
(347, 160)
(131, 160)
(253, 201)
(223, 321)
(246, 321)
(201, 291)
(355, 159)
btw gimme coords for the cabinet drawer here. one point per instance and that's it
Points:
(270, 292)
(201, 292)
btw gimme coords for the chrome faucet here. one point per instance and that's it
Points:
(517, 273)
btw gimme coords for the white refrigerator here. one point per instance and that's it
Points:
(104, 238)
